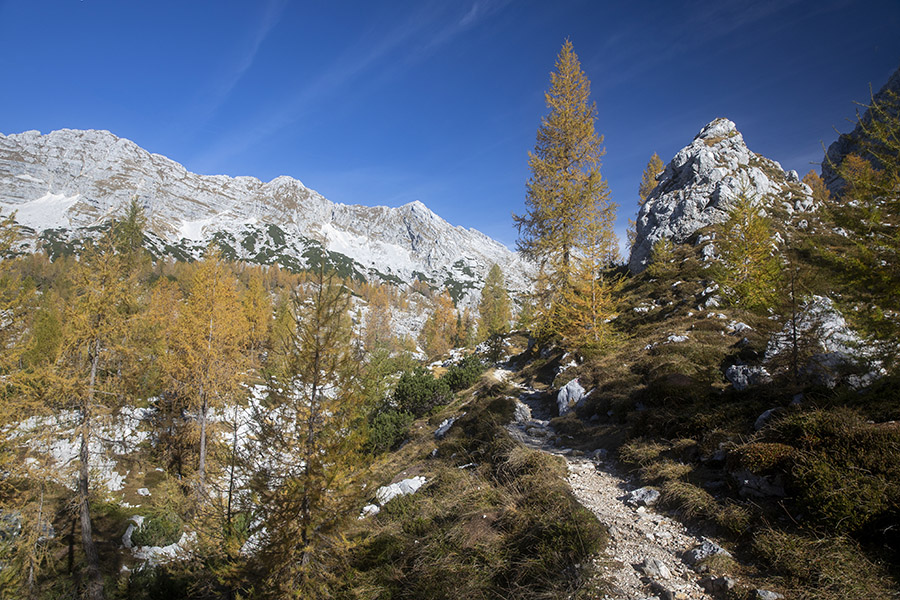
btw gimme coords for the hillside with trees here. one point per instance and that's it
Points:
(201, 425)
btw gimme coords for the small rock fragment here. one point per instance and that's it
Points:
(705, 550)
(645, 496)
(655, 569)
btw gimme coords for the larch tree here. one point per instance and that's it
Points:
(493, 308)
(20, 554)
(869, 209)
(820, 192)
(648, 180)
(584, 314)
(309, 432)
(465, 328)
(565, 185)
(750, 269)
(654, 167)
(257, 304)
(206, 362)
(440, 328)
(378, 332)
(87, 377)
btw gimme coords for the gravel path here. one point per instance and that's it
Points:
(646, 549)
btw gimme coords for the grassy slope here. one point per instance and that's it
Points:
(835, 453)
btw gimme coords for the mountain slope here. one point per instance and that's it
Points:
(72, 180)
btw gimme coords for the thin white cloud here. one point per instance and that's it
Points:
(270, 18)
(219, 91)
(408, 43)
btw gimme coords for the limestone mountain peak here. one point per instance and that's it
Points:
(700, 184)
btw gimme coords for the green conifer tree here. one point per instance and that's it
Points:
(869, 210)
(750, 269)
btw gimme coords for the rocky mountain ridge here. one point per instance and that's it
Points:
(700, 184)
(63, 183)
(854, 142)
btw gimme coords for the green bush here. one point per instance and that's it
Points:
(838, 496)
(159, 530)
(464, 374)
(418, 392)
(760, 457)
(388, 429)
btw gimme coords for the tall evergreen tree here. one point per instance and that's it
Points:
(565, 185)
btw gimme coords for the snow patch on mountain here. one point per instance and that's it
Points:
(46, 212)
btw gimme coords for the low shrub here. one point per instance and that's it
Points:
(838, 496)
(418, 392)
(463, 374)
(640, 451)
(688, 499)
(761, 457)
(664, 470)
(388, 429)
(846, 471)
(158, 530)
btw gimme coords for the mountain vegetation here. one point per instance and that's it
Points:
(203, 425)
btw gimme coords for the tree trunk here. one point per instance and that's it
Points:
(201, 468)
(92, 558)
(234, 448)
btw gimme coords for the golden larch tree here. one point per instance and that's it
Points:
(206, 362)
(309, 432)
(565, 185)
(493, 308)
(86, 375)
(440, 329)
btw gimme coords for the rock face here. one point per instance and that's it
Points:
(699, 186)
(569, 396)
(852, 143)
(72, 180)
(838, 351)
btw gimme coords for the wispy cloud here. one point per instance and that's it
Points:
(270, 18)
(219, 90)
(382, 57)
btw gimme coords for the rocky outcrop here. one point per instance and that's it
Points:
(569, 396)
(854, 142)
(836, 351)
(699, 186)
(72, 180)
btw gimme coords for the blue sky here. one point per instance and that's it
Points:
(439, 101)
